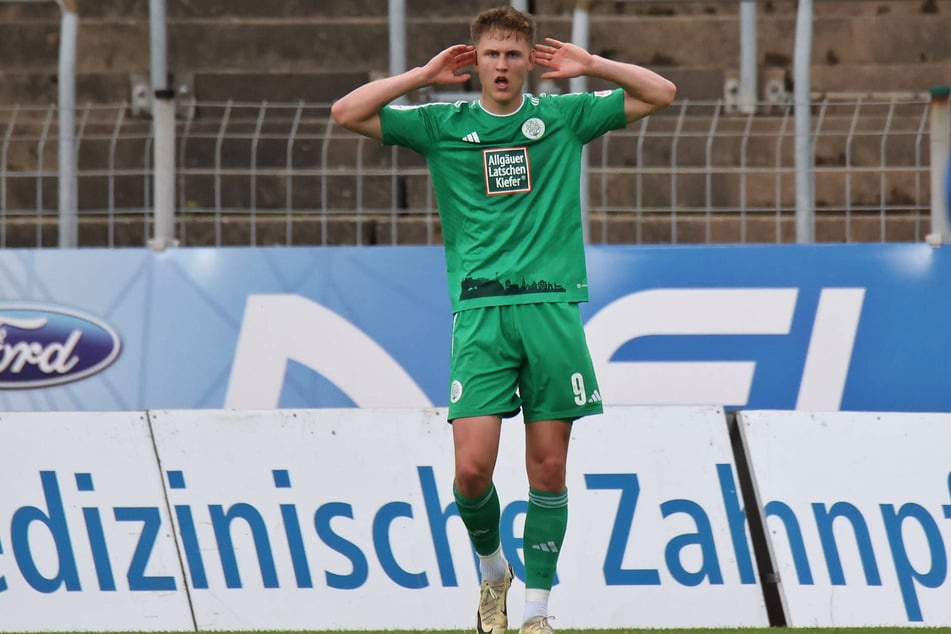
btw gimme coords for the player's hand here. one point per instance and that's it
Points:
(566, 60)
(443, 68)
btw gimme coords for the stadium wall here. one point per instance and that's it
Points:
(343, 519)
(256, 439)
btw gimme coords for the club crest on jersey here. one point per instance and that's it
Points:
(507, 171)
(533, 128)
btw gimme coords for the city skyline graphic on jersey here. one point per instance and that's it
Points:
(486, 287)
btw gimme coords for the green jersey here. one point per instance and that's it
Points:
(508, 191)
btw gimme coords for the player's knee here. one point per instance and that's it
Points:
(547, 475)
(472, 481)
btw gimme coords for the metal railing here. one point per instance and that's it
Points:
(284, 173)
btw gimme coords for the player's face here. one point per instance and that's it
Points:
(503, 61)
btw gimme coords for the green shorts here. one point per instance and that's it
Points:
(529, 356)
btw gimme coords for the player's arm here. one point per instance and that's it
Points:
(645, 92)
(359, 110)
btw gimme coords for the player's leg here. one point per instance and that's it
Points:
(558, 385)
(546, 454)
(476, 443)
(483, 377)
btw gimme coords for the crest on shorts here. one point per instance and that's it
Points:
(455, 392)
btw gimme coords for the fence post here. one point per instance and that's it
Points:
(805, 160)
(397, 31)
(580, 35)
(940, 177)
(163, 121)
(68, 186)
(746, 100)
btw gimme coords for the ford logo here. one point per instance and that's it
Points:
(42, 346)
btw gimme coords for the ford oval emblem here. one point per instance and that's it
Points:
(50, 345)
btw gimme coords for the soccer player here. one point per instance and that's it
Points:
(506, 172)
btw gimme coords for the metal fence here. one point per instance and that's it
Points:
(285, 174)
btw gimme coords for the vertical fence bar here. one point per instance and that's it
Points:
(922, 126)
(394, 193)
(4, 159)
(432, 215)
(673, 171)
(361, 143)
(111, 178)
(289, 189)
(848, 170)
(743, 151)
(639, 181)
(430, 221)
(708, 181)
(324, 196)
(253, 176)
(219, 143)
(80, 134)
(814, 142)
(148, 214)
(778, 195)
(940, 142)
(604, 188)
(883, 172)
(40, 173)
(182, 162)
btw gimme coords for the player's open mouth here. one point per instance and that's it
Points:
(502, 83)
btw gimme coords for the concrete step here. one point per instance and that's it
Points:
(205, 9)
(200, 9)
(301, 229)
(825, 8)
(354, 44)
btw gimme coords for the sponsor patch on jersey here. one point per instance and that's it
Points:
(603, 93)
(507, 171)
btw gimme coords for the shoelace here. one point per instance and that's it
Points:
(544, 622)
(488, 608)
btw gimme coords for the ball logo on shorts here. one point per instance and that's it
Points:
(534, 128)
(455, 391)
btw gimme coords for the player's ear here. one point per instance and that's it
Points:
(531, 58)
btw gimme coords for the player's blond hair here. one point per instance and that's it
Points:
(503, 19)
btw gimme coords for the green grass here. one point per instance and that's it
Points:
(728, 630)
(748, 630)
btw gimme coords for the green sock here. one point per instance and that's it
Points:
(481, 517)
(545, 525)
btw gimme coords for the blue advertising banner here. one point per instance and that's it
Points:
(823, 327)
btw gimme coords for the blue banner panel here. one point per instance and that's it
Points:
(824, 327)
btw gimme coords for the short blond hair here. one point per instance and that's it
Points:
(506, 20)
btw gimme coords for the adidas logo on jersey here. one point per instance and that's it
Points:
(472, 137)
(595, 397)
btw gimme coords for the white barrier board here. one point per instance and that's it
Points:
(856, 509)
(85, 539)
(342, 519)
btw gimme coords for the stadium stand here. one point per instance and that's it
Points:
(873, 60)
